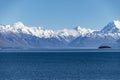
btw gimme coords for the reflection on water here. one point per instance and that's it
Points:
(59, 65)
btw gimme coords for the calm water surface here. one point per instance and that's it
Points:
(60, 65)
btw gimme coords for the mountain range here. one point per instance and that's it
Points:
(19, 36)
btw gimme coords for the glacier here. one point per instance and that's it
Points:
(20, 36)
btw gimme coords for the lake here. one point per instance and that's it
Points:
(60, 65)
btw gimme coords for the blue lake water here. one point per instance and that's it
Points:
(60, 65)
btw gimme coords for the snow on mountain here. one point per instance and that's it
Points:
(112, 27)
(109, 35)
(71, 34)
(44, 33)
(21, 28)
(83, 31)
(20, 36)
(18, 25)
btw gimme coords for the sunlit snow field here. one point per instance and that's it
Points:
(60, 65)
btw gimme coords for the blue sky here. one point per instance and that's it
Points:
(59, 14)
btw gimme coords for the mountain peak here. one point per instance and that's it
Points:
(83, 30)
(78, 28)
(117, 23)
(18, 24)
(112, 27)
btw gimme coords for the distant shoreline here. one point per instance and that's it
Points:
(60, 50)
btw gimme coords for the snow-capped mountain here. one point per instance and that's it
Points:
(83, 31)
(20, 36)
(112, 27)
(109, 36)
